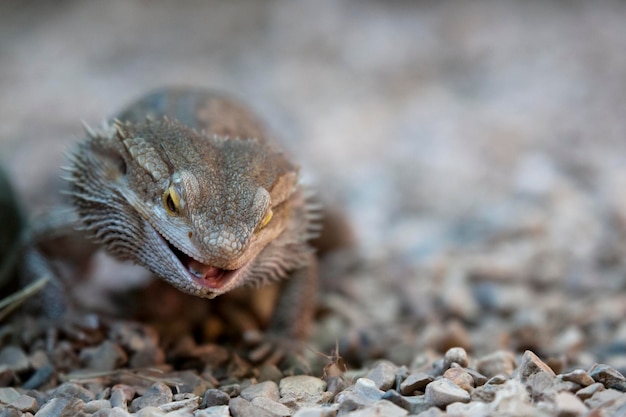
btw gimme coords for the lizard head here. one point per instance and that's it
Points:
(194, 209)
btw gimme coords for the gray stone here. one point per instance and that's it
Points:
(579, 376)
(368, 389)
(12, 412)
(603, 398)
(442, 392)
(8, 395)
(401, 401)
(485, 393)
(61, 406)
(383, 375)
(456, 355)
(499, 362)
(112, 412)
(477, 408)
(609, 377)
(298, 391)
(25, 403)
(569, 405)
(415, 382)
(431, 412)
(96, 405)
(479, 379)
(271, 405)
(188, 404)
(214, 397)
(589, 391)
(108, 356)
(71, 390)
(267, 389)
(316, 412)
(120, 396)
(380, 408)
(233, 390)
(531, 364)
(215, 411)
(158, 394)
(240, 407)
(14, 358)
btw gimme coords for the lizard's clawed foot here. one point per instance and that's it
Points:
(277, 350)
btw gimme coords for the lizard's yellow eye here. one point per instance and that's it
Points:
(171, 201)
(265, 220)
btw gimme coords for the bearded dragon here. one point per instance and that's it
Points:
(188, 184)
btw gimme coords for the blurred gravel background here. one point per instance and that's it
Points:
(478, 147)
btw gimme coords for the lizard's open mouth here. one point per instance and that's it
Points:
(206, 275)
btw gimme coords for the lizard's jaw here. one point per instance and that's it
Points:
(210, 277)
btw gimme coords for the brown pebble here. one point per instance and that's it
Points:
(461, 378)
(578, 376)
(589, 391)
(531, 364)
(25, 403)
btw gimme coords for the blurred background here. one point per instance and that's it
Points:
(478, 147)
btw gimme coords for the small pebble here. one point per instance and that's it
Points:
(531, 364)
(95, 405)
(609, 377)
(215, 411)
(158, 394)
(8, 395)
(456, 355)
(25, 403)
(368, 389)
(461, 378)
(71, 390)
(273, 406)
(603, 397)
(569, 405)
(61, 406)
(415, 382)
(242, 408)
(383, 375)
(267, 389)
(188, 404)
(380, 408)
(316, 412)
(214, 397)
(442, 392)
(589, 391)
(578, 376)
(113, 412)
(233, 390)
(300, 390)
(121, 395)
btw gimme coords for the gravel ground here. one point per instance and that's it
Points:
(477, 148)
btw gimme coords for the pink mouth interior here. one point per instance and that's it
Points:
(207, 275)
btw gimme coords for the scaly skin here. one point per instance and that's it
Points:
(187, 184)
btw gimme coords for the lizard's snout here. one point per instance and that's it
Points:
(225, 245)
